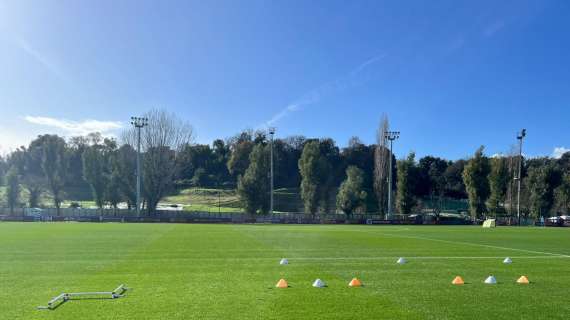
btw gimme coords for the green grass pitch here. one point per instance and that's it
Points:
(182, 271)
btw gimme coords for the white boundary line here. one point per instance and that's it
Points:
(293, 258)
(424, 258)
(454, 242)
(468, 244)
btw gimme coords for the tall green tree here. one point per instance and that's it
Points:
(313, 168)
(3, 169)
(382, 164)
(431, 180)
(453, 177)
(125, 168)
(475, 177)
(499, 179)
(240, 146)
(405, 198)
(253, 186)
(331, 174)
(28, 162)
(286, 153)
(54, 165)
(33, 178)
(351, 194)
(221, 154)
(94, 172)
(562, 194)
(76, 187)
(564, 162)
(194, 158)
(362, 156)
(113, 188)
(541, 185)
(12, 188)
(111, 193)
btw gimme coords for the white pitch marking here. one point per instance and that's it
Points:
(410, 258)
(427, 258)
(469, 244)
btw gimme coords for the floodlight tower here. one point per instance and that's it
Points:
(520, 137)
(271, 133)
(391, 136)
(139, 123)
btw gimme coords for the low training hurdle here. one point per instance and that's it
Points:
(57, 301)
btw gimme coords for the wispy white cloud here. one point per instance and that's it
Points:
(76, 127)
(315, 95)
(559, 151)
(455, 44)
(491, 29)
(39, 57)
(367, 63)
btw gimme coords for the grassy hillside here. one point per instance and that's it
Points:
(206, 200)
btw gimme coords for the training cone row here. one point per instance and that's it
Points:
(282, 283)
(490, 280)
(400, 260)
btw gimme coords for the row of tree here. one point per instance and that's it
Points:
(65, 169)
(351, 179)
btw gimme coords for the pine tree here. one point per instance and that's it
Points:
(499, 179)
(475, 177)
(94, 167)
(405, 199)
(310, 167)
(562, 195)
(541, 189)
(253, 186)
(12, 188)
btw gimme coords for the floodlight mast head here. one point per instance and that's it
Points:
(271, 130)
(392, 135)
(521, 135)
(139, 122)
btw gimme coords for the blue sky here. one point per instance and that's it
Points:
(451, 75)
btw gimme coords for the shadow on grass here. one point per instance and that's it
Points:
(56, 306)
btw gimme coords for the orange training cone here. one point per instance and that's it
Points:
(282, 284)
(355, 283)
(458, 281)
(523, 280)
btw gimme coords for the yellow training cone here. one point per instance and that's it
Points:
(523, 280)
(355, 283)
(282, 284)
(458, 281)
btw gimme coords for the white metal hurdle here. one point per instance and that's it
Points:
(56, 301)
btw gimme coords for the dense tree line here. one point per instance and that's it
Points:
(353, 179)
